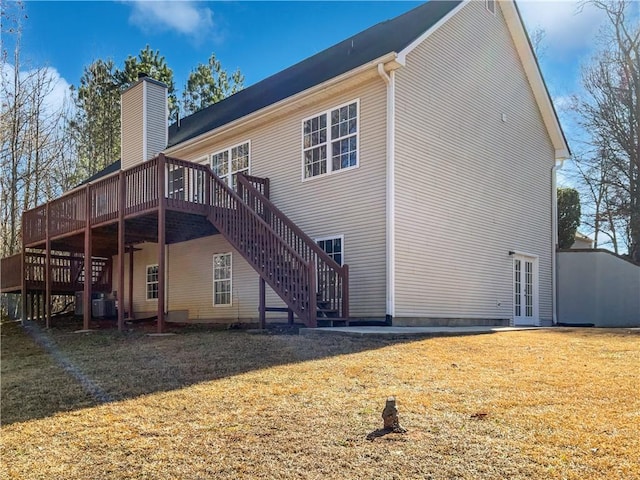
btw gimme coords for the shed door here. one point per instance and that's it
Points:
(525, 290)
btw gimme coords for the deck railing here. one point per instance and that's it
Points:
(141, 187)
(186, 186)
(333, 278)
(67, 272)
(291, 262)
(290, 275)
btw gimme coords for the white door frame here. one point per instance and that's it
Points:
(522, 316)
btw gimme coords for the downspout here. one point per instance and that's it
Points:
(554, 234)
(389, 80)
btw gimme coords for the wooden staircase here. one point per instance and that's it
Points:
(310, 283)
(332, 306)
(168, 200)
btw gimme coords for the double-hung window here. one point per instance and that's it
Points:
(152, 282)
(330, 141)
(222, 279)
(228, 163)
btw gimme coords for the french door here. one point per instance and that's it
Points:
(525, 290)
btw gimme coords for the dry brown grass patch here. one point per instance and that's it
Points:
(554, 404)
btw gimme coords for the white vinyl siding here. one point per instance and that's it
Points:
(156, 122)
(144, 122)
(317, 206)
(475, 135)
(131, 143)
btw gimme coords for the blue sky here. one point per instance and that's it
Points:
(261, 38)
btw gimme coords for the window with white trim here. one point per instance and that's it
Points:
(152, 282)
(222, 279)
(231, 161)
(333, 247)
(330, 141)
(491, 5)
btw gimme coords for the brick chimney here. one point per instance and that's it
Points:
(143, 121)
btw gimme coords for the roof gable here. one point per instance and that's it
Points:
(390, 36)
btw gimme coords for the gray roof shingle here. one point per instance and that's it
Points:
(385, 37)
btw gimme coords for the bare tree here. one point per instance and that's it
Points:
(31, 136)
(609, 111)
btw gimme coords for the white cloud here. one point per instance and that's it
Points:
(55, 87)
(568, 27)
(185, 17)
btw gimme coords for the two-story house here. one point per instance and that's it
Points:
(420, 152)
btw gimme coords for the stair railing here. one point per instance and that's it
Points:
(291, 276)
(333, 278)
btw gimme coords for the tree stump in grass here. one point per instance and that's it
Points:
(390, 417)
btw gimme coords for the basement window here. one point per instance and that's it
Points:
(222, 279)
(152, 282)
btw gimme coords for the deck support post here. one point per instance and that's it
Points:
(262, 302)
(121, 249)
(47, 267)
(38, 306)
(345, 293)
(162, 206)
(32, 305)
(130, 296)
(313, 299)
(23, 281)
(88, 263)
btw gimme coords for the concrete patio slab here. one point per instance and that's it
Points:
(409, 332)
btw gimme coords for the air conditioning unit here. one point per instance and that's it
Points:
(103, 308)
(80, 299)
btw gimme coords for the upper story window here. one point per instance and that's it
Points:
(491, 5)
(330, 141)
(231, 161)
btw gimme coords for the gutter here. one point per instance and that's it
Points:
(389, 80)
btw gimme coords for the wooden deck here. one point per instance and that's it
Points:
(168, 200)
(67, 273)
